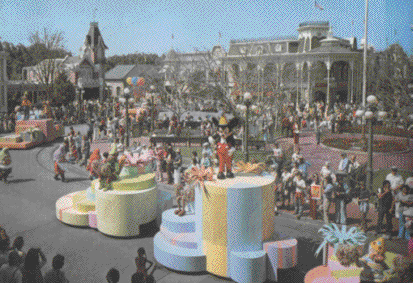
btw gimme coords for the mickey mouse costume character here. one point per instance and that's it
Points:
(225, 147)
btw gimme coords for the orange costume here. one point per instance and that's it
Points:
(225, 160)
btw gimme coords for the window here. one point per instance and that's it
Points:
(278, 48)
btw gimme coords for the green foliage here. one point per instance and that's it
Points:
(63, 91)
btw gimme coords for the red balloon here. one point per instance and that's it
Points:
(140, 82)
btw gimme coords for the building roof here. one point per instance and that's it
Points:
(93, 37)
(264, 39)
(119, 72)
(72, 60)
(314, 23)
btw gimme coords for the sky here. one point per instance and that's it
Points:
(147, 26)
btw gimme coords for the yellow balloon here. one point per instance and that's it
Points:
(129, 81)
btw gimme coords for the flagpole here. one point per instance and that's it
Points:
(365, 54)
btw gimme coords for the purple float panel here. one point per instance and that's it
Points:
(248, 267)
(244, 220)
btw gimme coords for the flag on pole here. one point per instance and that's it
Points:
(318, 6)
(172, 36)
(411, 27)
(352, 22)
(219, 33)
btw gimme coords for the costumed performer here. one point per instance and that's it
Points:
(108, 172)
(5, 164)
(226, 146)
(94, 164)
(26, 105)
(59, 157)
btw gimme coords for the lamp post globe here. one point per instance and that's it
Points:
(372, 99)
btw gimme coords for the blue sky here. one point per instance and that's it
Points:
(146, 26)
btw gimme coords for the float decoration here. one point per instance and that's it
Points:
(256, 168)
(346, 241)
(198, 176)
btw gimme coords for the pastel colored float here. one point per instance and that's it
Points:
(133, 200)
(232, 222)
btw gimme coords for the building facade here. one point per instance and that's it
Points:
(3, 82)
(313, 66)
(85, 70)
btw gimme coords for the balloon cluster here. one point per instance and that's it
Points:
(135, 81)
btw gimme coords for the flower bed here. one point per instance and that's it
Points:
(379, 145)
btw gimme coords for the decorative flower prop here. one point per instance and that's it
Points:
(198, 176)
(334, 235)
(256, 168)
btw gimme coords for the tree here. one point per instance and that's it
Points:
(389, 77)
(64, 91)
(47, 50)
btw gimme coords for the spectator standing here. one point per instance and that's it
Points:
(78, 144)
(10, 272)
(17, 246)
(344, 163)
(396, 182)
(300, 187)
(141, 263)
(405, 198)
(85, 150)
(342, 198)
(170, 156)
(56, 275)
(364, 204)
(34, 261)
(329, 189)
(113, 276)
(385, 206)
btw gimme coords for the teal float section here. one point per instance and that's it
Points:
(248, 267)
(178, 258)
(244, 219)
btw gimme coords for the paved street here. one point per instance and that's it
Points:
(27, 208)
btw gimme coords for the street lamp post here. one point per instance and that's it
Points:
(369, 115)
(80, 91)
(126, 94)
(153, 109)
(247, 101)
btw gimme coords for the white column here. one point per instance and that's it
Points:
(328, 65)
(351, 63)
(309, 80)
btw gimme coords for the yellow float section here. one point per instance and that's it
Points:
(67, 213)
(268, 215)
(214, 225)
(120, 213)
(142, 182)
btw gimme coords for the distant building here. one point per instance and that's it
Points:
(116, 78)
(84, 70)
(3, 82)
(315, 65)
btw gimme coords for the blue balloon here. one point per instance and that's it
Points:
(134, 80)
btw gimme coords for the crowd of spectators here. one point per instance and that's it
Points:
(19, 266)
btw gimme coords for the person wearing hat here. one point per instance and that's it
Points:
(226, 146)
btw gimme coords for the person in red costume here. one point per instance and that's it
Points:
(226, 146)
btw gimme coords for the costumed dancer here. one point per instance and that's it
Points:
(177, 167)
(226, 146)
(141, 261)
(94, 164)
(59, 157)
(108, 172)
(5, 164)
(26, 105)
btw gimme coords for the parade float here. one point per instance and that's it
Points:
(345, 259)
(119, 208)
(33, 130)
